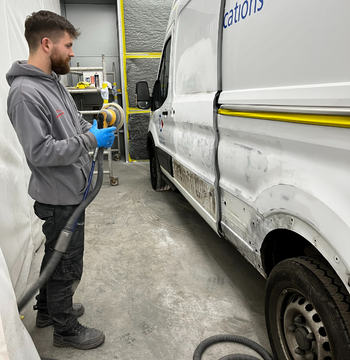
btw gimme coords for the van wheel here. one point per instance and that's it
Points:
(158, 184)
(307, 311)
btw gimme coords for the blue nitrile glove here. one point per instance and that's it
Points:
(104, 137)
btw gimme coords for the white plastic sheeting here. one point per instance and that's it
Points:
(15, 341)
(20, 230)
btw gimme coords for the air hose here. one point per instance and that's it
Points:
(232, 338)
(64, 237)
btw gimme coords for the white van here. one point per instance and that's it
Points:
(250, 118)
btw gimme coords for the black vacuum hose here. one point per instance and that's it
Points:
(232, 338)
(64, 237)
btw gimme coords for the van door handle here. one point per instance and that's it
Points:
(165, 112)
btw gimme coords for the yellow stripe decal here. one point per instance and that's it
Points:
(325, 120)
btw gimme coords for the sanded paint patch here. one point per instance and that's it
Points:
(200, 190)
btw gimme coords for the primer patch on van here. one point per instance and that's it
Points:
(199, 189)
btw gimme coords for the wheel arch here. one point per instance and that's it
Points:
(273, 250)
(295, 222)
(281, 244)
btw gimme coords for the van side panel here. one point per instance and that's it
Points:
(272, 167)
(195, 73)
(286, 53)
(282, 68)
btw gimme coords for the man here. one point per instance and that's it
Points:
(56, 141)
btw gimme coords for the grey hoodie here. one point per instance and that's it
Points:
(53, 135)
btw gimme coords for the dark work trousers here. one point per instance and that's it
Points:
(56, 298)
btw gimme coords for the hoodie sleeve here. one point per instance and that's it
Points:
(33, 130)
(85, 125)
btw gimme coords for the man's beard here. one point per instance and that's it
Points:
(59, 65)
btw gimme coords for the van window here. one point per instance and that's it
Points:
(195, 48)
(164, 71)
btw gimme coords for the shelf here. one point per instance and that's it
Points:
(80, 69)
(89, 112)
(84, 91)
(84, 94)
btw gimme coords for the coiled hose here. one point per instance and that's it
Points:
(232, 338)
(65, 236)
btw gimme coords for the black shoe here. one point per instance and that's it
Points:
(44, 320)
(79, 336)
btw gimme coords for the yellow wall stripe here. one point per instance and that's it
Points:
(138, 111)
(125, 78)
(143, 55)
(312, 119)
(126, 55)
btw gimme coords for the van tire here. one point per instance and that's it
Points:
(305, 299)
(158, 184)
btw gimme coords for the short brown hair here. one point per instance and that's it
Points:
(46, 24)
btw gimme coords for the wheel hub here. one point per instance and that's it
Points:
(304, 332)
(301, 334)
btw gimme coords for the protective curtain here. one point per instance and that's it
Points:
(20, 233)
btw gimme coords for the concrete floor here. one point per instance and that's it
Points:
(157, 279)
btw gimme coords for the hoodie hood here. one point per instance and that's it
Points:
(22, 68)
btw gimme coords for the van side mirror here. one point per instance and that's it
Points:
(156, 95)
(142, 95)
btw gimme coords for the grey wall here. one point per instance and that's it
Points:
(145, 24)
(99, 34)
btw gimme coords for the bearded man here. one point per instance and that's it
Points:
(56, 141)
